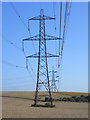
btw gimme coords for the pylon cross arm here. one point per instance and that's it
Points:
(44, 18)
(46, 37)
(37, 55)
(49, 37)
(36, 37)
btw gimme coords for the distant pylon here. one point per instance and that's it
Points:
(42, 55)
(53, 80)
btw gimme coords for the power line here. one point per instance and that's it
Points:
(5, 62)
(54, 14)
(29, 63)
(30, 35)
(61, 49)
(11, 64)
(60, 24)
(60, 74)
(68, 16)
(31, 75)
(64, 28)
(63, 32)
(60, 18)
(23, 77)
(17, 66)
(32, 69)
(11, 43)
(65, 20)
(60, 32)
(54, 6)
(18, 14)
(65, 25)
(27, 27)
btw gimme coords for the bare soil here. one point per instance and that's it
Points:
(21, 108)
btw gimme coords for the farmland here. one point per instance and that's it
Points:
(18, 105)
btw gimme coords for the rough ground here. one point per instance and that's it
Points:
(21, 108)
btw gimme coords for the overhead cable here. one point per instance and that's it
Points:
(11, 43)
(12, 5)
(68, 16)
(27, 27)
(54, 14)
(11, 64)
(64, 28)
(60, 32)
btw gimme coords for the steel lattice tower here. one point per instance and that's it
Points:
(42, 55)
(53, 81)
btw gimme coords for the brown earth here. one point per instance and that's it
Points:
(30, 95)
(21, 108)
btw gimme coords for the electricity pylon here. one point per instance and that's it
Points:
(42, 55)
(53, 80)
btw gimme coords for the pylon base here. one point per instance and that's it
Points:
(39, 105)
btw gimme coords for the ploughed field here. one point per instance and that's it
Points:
(18, 105)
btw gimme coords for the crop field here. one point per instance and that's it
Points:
(18, 105)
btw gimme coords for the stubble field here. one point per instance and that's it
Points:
(18, 105)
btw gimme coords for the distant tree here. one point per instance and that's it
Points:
(77, 99)
(68, 99)
(60, 99)
(73, 97)
(85, 100)
(64, 99)
(81, 96)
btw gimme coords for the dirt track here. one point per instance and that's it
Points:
(20, 108)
